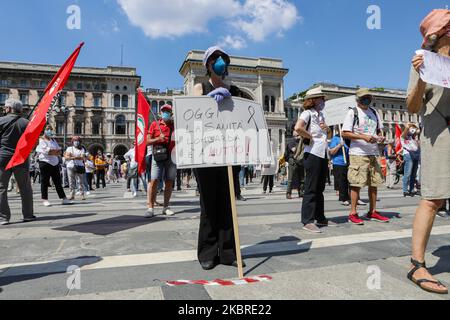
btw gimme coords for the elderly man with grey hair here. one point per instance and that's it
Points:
(12, 126)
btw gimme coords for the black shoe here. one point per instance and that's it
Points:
(406, 194)
(235, 264)
(208, 265)
(241, 198)
(33, 218)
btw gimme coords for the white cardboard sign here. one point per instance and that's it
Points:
(336, 110)
(435, 69)
(211, 134)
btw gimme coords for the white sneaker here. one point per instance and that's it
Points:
(361, 203)
(47, 203)
(150, 213)
(168, 212)
(134, 194)
(88, 193)
(65, 202)
(78, 193)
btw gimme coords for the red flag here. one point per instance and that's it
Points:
(398, 137)
(51, 94)
(142, 116)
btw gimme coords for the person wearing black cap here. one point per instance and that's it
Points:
(216, 238)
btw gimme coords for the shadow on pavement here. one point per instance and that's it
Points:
(36, 271)
(112, 225)
(443, 264)
(283, 246)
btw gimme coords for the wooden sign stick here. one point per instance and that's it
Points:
(343, 148)
(235, 222)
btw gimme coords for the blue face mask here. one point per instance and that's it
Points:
(166, 116)
(220, 66)
(366, 101)
(49, 133)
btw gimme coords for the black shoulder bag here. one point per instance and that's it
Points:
(161, 151)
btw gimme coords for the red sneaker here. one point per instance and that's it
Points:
(355, 219)
(376, 216)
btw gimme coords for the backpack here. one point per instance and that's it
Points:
(300, 151)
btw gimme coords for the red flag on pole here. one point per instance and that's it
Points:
(37, 122)
(398, 137)
(142, 117)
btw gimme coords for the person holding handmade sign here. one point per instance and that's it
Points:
(312, 127)
(433, 103)
(160, 137)
(216, 243)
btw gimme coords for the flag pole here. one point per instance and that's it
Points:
(235, 222)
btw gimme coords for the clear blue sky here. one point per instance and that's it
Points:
(327, 40)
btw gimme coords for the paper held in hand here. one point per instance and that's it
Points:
(233, 132)
(436, 69)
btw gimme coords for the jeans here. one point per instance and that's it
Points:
(409, 176)
(73, 177)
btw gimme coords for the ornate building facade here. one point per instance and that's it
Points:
(97, 104)
(260, 80)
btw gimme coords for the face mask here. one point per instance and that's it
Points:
(366, 101)
(49, 133)
(219, 67)
(320, 105)
(166, 116)
(76, 144)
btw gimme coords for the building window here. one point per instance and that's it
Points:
(103, 87)
(59, 128)
(96, 128)
(96, 87)
(79, 86)
(3, 97)
(23, 83)
(116, 101)
(155, 106)
(266, 104)
(79, 100)
(384, 116)
(121, 125)
(272, 104)
(161, 103)
(401, 107)
(78, 127)
(170, 103)
(4, 83)
(401, 117)
(280, 137)
(125, 101)
(97, 101)
(62, 100)
(24, 98)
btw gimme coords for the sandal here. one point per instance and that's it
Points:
(418, 265)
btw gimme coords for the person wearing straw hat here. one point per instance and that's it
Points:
(312, 127)
(433, 103)
(363, 127)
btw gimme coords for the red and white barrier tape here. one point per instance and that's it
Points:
(220, 282)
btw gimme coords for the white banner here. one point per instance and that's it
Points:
(336, 110)
(208, 134)
(435, 69)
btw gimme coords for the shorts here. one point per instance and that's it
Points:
(364, 171)
(166, 169)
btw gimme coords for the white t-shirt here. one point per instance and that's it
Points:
(44, 148)
(319, 144)
(409, 145)
(367, 125)
(90, 167)
(130, 155)
(76, 153)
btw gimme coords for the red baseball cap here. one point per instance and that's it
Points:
(167, 107)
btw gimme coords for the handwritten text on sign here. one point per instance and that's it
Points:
(233, 132)
(435, 69)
